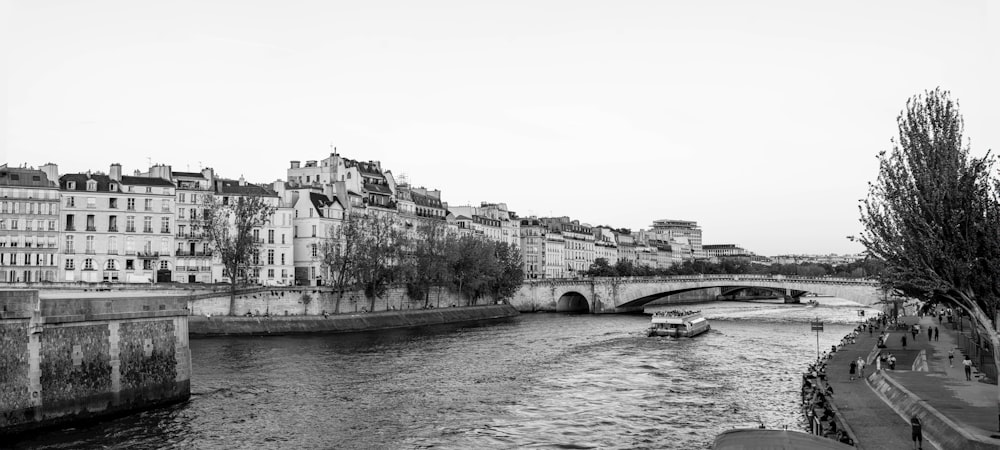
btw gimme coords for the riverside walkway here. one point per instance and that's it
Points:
(955, 413)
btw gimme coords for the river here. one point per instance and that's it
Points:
(540, 380)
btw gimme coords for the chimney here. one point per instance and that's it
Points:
(116, 172)
(51, 172)
(295, 164)
(242, 181)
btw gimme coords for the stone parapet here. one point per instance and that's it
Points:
(63, 360)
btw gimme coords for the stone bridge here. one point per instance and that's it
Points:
(617, 295)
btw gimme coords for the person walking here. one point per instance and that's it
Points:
(861, 368)
(930, 333)
(904, 341)
(968, 368)
(937, 334)
(916, 434)
(854, 367)
(951, 358)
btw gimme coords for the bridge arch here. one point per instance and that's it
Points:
(572, 302)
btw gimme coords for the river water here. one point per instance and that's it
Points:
(536, 381)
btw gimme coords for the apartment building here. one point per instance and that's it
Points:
(29, 216)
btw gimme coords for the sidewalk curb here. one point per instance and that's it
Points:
(938, 429)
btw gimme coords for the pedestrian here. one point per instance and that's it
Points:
(854, 367)
(916, 433)
(951, 358)
(878, 362)
(915, 330)
(937, 333)
(968, 368)
(861, 368)
(904, 341)
(930, 333)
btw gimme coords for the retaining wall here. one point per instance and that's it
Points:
(936, 427)
(278, 325)
(63, 360)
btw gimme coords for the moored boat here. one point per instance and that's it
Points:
(678, 324)
(760, 439)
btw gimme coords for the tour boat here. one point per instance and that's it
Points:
(760, 439)
(678, 324)
(812, 303)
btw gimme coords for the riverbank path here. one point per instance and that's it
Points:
(873, 422)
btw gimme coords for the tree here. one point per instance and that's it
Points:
(427, 266)
(229, 229)
(932, 216)
(601, 268)
(338, 255)
(509, 271)
(471, 263)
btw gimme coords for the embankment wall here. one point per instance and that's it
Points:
(341, 323)
(67, 359)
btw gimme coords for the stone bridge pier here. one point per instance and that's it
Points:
(622, 295)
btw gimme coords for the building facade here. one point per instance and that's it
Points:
(29, 231)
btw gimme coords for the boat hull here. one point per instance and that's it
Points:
(673, 332)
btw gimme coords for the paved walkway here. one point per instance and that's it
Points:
(874, 423)
(972, 405)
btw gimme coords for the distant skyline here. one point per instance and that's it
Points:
(759, 120)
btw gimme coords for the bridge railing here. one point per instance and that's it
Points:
(724, 277)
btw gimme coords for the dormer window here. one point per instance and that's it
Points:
(91, 185)
(71, 185)
(113, 187)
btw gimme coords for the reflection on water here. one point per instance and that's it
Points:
(539, 380)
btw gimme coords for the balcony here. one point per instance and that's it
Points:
(68, 228)
(90, 251)
(91, 228)
(112, 229)
(147, 230)
(165, 230)
(146, 254)
(69, 251)
(113, 252)
(130, 229)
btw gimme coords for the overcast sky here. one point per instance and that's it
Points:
(760, 120)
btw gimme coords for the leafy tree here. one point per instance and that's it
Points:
(427, 266)
(601, 268)
(933, 217)
(509, 271)
(229, 229)
(471, 264)
(338, 255)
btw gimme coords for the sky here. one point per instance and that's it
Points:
(759, 120)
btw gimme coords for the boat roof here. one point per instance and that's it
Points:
(761, 439)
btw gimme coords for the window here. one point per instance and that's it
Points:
(256, 257)
(282, 238)
(69, 223)
(71, 185)
(164, 245)
(270, 257)
(130, 224)
(147, 264)
(147, 224)
(90, 223)
(130, 204)
(164, 265)
(164, 225)
(113, 187)
(70, 265)
(180, 197)
(315, 250)
(165, 205)
(270, 236)
(112, 245)
(90, 244)
(111, 265)
(180, 213)
(113, 203)
(270, 273)
(310, 212)
(148, 203)
(91, 202)
(180, 230)
(149, 190)
(282, 259)
(88, 264)
(256, 235)
(112, 223)
(91, 185)
(129, 264)
(69, 244)
(314, 230)
(13, 224)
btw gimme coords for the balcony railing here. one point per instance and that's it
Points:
(130, 229)
(149, 254)
(165, 230)
(113, 252)
(90, 251)
(91, 228)
(69, 251)
(113, 229)
(68, 228)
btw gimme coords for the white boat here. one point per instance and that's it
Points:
(766, 439)
(678, 324)
(812, 303)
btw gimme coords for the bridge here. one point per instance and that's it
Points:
(630, 294)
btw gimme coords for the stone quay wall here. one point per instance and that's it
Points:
(343, 323)
(69, 359)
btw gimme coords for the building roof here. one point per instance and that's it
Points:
(103, 182)
(189, 174)
(426, 200)
(16, 176)
(145, 181)
(233, 187)
(320, 201)
(378, 189)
